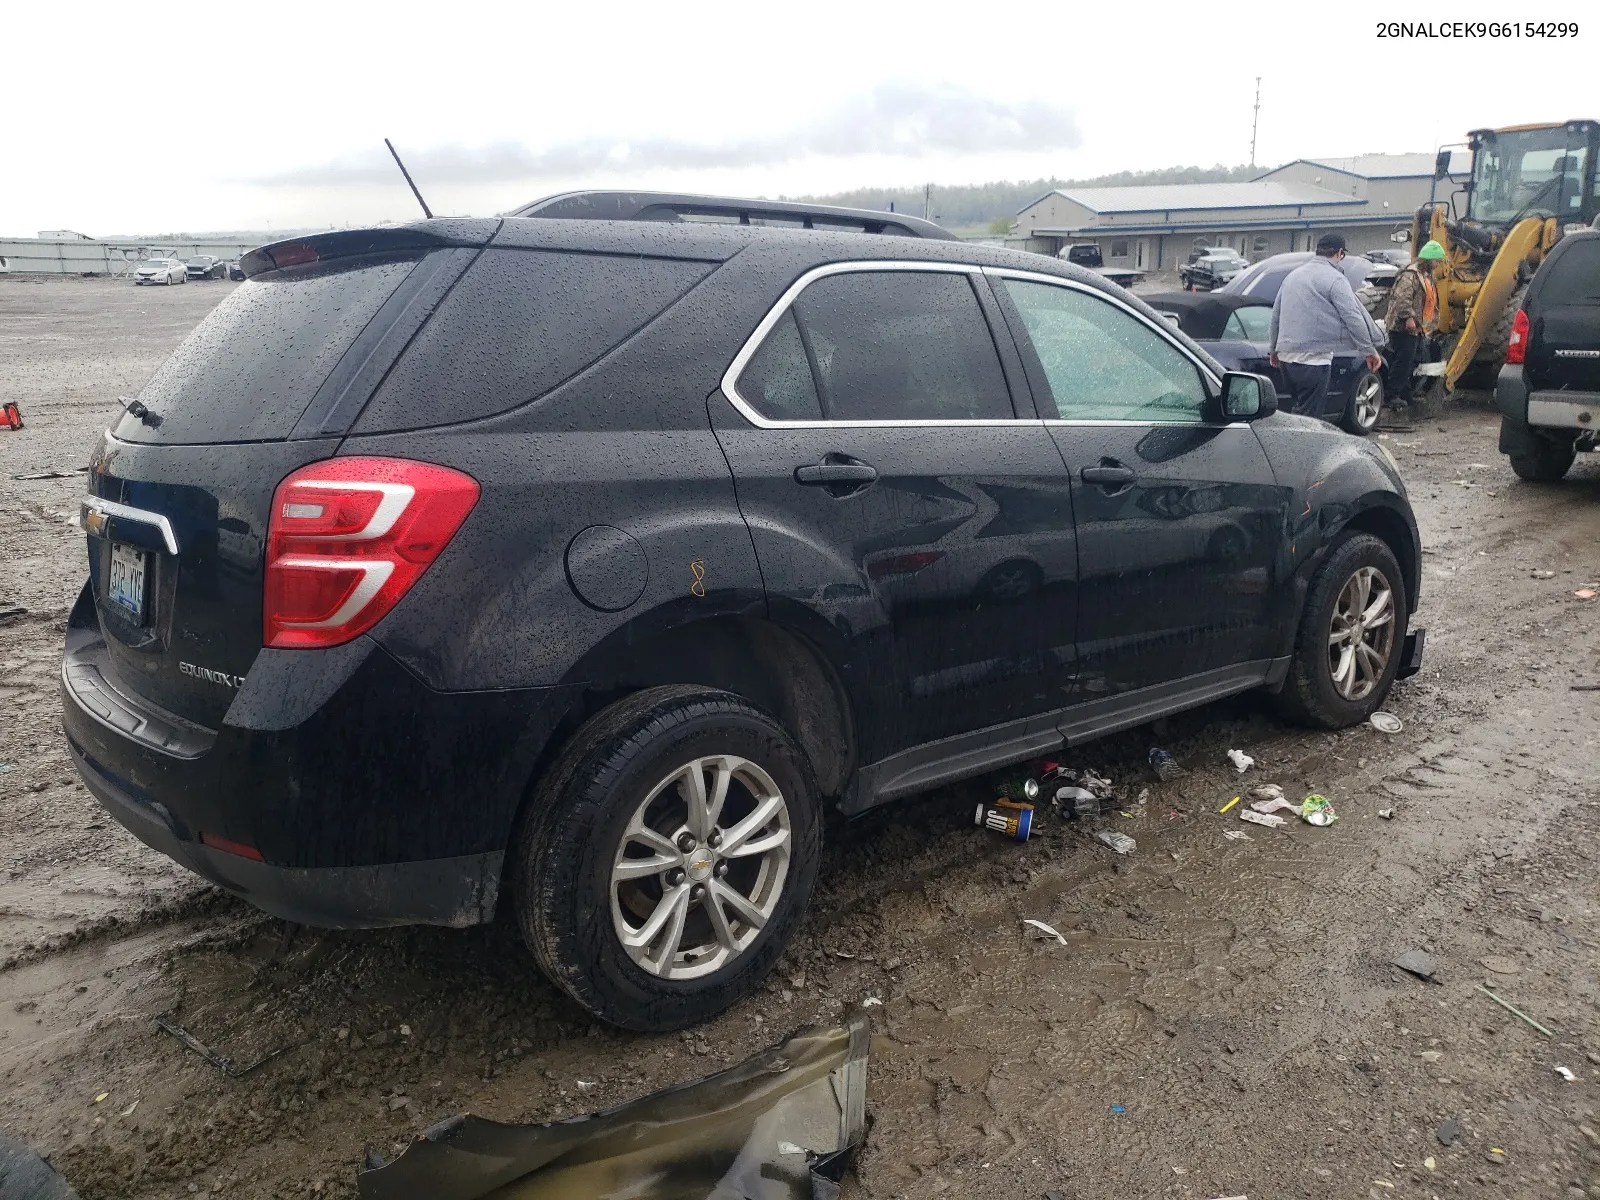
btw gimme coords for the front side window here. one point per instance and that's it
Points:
(1103, 364)
(880, 346)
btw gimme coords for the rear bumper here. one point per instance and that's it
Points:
(1511, 393)
(1577, 411)
(456, 891)
(371, 798)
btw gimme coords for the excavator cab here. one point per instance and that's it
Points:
(1540, 171)
(1530, 186)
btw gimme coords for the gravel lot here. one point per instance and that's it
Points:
(1222, 1021)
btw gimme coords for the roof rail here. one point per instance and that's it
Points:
(683, 206)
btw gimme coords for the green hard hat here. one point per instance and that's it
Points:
(1431, 251)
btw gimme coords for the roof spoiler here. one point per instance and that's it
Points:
(346, 243)
(678, 206)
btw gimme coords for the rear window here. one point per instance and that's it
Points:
(519, 323)
(250, 369)
(1575, 276)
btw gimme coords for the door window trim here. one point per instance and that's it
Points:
(730, 377)
(1206, 373)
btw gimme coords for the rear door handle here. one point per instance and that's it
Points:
(857, 474)
(1109, 476)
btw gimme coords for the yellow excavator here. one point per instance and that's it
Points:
(1530, 186)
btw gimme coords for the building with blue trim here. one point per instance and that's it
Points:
(1369, 199)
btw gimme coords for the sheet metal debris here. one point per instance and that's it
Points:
(1120, 842)
(779, 1126)
(26, 1176)
(225, 1065)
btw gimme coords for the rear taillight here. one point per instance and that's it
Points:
(348, 537)
(1517, 347)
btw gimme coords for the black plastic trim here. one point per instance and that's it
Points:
(938, 763)
(456, 892)
(361, 369)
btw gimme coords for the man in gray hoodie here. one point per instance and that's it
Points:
(1316, 316)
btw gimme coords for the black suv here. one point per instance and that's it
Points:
(574, 566)
(1548, 391)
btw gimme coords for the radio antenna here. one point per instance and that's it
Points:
(426, 211)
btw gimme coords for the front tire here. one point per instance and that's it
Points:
(1352, 633)
(1365, 406)
(667, 857)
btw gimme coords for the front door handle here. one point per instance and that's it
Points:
(1109, 475)
(836, 469)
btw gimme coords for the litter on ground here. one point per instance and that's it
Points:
(1120, 842)
(1418, 963)
(1317, 810)
(1241, 761)
(1270, 820)
(1041, 931)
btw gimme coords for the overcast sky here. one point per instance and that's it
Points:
(167, 116)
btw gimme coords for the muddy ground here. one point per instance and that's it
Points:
(1222, 1020)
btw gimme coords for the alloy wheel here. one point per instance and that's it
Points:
(701, 867)
(1368, 401)
(1361, 636)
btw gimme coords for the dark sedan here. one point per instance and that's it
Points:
(1234, 331)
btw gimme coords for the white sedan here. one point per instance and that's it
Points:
(161, 270)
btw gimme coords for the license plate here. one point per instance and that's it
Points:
(125, 587)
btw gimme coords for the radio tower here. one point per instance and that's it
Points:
(1255, 121)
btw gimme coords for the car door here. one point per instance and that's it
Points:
(1179, 519)
(901, 504)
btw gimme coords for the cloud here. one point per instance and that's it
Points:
(906, 120)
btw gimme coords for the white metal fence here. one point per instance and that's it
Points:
(38, 256)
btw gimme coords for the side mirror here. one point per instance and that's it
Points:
(1441, 164)
(1247, 397)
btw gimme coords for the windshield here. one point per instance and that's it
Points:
(1534, 172)
(154, 264)
(202, 261)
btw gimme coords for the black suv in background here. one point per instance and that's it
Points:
(575, 565)
(1548, 391)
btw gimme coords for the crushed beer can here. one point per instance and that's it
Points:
(1007, 818)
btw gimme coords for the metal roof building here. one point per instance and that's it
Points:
(1368, 198)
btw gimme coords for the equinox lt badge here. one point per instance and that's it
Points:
(210, 676)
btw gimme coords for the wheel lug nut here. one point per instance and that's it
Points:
(722, 870)
(697, 891)
(715, 839)
(686, 842)
(676, 878)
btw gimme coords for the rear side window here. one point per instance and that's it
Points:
(516, 325)
(881, 346)
(1574, 277)
(251, 368)
(778, 380)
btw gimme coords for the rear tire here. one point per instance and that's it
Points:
(1333, 682)
(602, 854)
(1548, 462)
